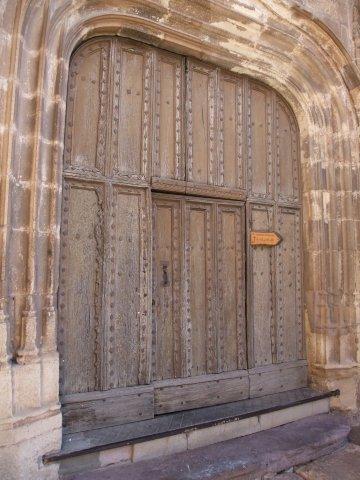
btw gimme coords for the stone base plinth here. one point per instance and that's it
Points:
(24, 441)
(346, 378)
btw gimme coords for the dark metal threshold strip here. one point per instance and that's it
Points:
(174, 423)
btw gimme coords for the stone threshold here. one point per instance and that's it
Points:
(261, 455)
(175, 424)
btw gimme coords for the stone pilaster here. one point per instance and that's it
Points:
(49, 337)
(28, 351)
(5, 367)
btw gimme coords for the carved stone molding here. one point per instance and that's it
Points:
(28, 351)
(49, 337)
(356, 31)
(4, 336)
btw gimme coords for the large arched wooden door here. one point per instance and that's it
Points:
(164, 304)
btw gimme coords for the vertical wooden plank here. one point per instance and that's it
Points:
(167, 288)
(199, 270)
(260, 156)
(128, 325)
(79, 326)
(231, 287)
(197, 238)
(288, 287)
(231, 159)
(131, 110)
(287, 175)
(87, 103)
(261, 290)
(201, 107)
(169, 117)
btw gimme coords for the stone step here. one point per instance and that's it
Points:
(343, 464)
(285, 476)
(181, 431)
(252, 457)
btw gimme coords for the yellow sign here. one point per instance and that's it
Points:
(269, 239)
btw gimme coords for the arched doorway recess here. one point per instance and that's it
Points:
(164, 302)
(273, 40)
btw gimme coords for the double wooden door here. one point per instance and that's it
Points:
(164, 305)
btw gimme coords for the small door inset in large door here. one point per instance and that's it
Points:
(199, 301)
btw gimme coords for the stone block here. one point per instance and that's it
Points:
(343, 464)
(6, 392)
(159, 447)
(349, 391)
(345, 378)
(320, 406)
(50, 379)
(287, 415)
(30, 426)
(121, 455)
(82, 463)
(354, 436)
(26, 387)
(21, 457)
(285, 476)
(222, 432)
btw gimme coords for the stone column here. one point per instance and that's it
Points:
(34, 425)
(333, 260)
(5, 367)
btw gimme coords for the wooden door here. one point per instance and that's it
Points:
(105, 279)
(199, 345)
(169, 164)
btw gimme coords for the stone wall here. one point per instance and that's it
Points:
(336, 15)
(306, 50)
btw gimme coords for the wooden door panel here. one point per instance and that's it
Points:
(288, 287)
(231, 288)
(167, 302)
(87, 411)
(80, 292)
(131, 110)
(169, 117)
(128, 326)
(277, 378)
(286, 154)
(231, 159)
(261, 290)
(201, 141)
(87, 108)
(260, 149)
(199, 280)
(200, 391)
